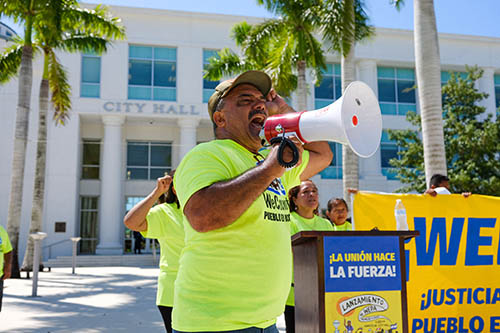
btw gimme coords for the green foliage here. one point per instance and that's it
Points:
(60, 88)
(59, 25)
(338, 27)
(472, 141)
(276, 46)
(10, 61)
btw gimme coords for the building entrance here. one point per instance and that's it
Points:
(89, 224)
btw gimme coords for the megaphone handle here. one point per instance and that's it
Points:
(283, 143)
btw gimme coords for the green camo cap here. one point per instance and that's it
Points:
(258, 79)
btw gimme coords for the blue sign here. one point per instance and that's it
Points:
(361, 263)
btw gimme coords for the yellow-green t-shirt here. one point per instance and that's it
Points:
(165, 224)
(347, 226)
(300, 223)
(5, 247)
(236, 276)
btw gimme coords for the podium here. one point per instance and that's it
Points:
(350, 281)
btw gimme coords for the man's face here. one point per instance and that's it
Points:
(243, 116)
(445, 183)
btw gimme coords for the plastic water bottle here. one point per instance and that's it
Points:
(400, 213)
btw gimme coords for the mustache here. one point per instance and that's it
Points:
(254, 112)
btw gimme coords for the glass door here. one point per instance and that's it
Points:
(89, 224)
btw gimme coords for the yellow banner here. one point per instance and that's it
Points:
(453, 267)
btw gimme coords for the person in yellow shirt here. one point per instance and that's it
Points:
(235, 269)
(304, 203)
(162, 222)
(5, 260)
(337, 212)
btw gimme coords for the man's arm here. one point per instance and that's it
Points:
(432, 192)
(7, 266)
(221, 203)
(136, 217)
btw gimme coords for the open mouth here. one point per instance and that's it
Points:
(257, 122)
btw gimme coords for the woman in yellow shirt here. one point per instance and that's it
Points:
(304, 203)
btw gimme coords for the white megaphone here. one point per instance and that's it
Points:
(354, 120)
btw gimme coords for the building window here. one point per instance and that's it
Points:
(148, 160)
(388, 151)
(88, 224)
(497, 91)
(91, 75)
(395, 90)
(330, 88)
(208, 85)
(152, 73)
(91, 159)
(445, 76)
(334, 170)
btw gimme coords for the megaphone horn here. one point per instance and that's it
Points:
(354, 119)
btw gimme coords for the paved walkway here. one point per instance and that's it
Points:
(96, 299)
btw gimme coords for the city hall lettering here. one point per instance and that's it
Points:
(158, 108)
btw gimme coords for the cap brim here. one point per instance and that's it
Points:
(258, 79)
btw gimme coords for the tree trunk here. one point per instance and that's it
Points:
(301, 86)
(19, 154)
(39, 186)
(350, 164)
(428, 70)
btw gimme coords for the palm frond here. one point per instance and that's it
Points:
(280, 68)
(226, 64)
(10, 60)
(315, 57)
(260, 38)
(56, 9)
(363, 29)
(239, 32)
(340, 27)
(274, 6)
(349, 26)
(79, 43)
(95, 21)
(397, 3)
(13, 9)
(59, 88)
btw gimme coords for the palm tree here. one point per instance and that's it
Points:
(22, 11)
(284, 47)
(71, 29)
(343, 23)
(428, 70)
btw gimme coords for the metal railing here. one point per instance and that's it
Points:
(50, 246)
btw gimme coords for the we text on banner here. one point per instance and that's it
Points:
(453, 267)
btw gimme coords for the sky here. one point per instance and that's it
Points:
(466, 17)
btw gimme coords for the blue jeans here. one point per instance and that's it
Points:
(270, 329)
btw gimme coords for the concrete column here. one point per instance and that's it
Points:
(188, 135)
(370, 167)
(114, 72)
(190, 83)
(487, 85)
(110, 208)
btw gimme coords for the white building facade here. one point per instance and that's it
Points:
(139, 108)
